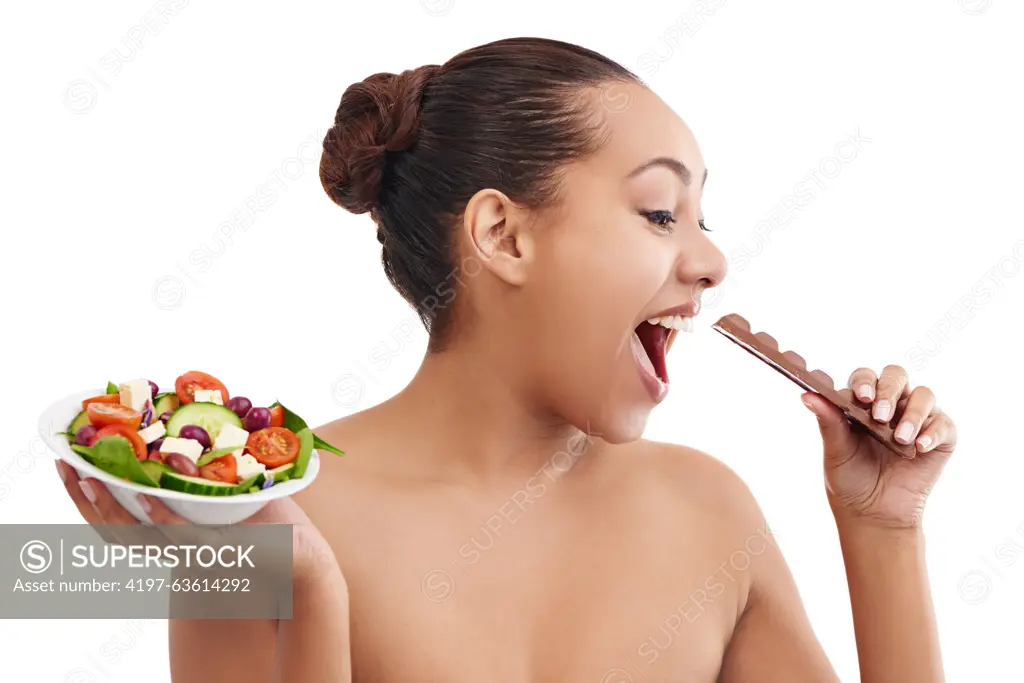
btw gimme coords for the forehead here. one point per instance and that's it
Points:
(640, 126)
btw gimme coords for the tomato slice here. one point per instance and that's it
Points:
(277, 416)
(273, 446)
(137, 442)
(224, 468)
(104, 398)
(186, 385)
(103, 414)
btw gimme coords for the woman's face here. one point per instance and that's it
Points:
(623, 246)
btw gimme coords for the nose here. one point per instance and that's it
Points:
(702, 265)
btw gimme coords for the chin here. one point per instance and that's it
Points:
(623, 425)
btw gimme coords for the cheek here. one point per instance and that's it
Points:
(587, 279)
(606, 272)
(591, 280)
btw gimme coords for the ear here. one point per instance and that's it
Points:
(499, 234)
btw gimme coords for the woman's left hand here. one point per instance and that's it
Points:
(866, 480)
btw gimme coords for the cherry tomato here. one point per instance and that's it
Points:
(102, 414)
(137, 442)
(105, 398)
(277, 416)
(224, 468)
(273, 446)
(186, 385)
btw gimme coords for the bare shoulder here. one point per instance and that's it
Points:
(697, 477)
(345, 482)
(698, 512)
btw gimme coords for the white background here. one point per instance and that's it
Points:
(122, 175)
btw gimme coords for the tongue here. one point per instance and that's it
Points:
(653, 338)
(642, 356)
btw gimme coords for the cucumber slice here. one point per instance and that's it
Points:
(165, 403)
(278, 475)
(282, 473)
(80, 421)
(249, 484)
(209, 416)
(197, 485)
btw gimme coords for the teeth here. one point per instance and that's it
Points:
(673, 322)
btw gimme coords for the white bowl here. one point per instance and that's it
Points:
(213, 510)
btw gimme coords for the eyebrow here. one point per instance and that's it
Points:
(674, 165)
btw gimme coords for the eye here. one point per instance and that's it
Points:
(662, 219)
(701, 224)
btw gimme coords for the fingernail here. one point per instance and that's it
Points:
(144, 502)
(904, 431)
(925, 442)
(865, 392)
(881, 410)
(807, 403)
(87, 490)
(61, 472)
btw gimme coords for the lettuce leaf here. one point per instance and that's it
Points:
(206, 458)
(115, 456)
(305, 452)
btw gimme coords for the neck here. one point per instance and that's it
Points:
(476, 419)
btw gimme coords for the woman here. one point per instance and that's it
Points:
(500, 518)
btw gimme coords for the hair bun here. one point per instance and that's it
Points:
(376, 116)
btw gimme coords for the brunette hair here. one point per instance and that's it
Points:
(411, 149)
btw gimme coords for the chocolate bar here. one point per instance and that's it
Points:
(794, 367)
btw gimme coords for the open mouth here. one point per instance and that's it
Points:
(654, 339)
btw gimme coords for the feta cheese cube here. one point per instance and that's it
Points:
(248, 466)
(153, 432)
(209, 396)
(190, 448)
(230, 436)
(135, 394)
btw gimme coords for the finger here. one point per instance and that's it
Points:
(939, 431)
(159, 513)
(889, 389)
(862, 383)
(833, 425)
(918, 407)
(901, 405)
(109, 509)
(71, 484)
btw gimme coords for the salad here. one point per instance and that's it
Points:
(196, 439)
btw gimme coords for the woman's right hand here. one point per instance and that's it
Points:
(312, 555)
(289, 649)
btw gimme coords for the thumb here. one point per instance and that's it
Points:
(835, 430)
